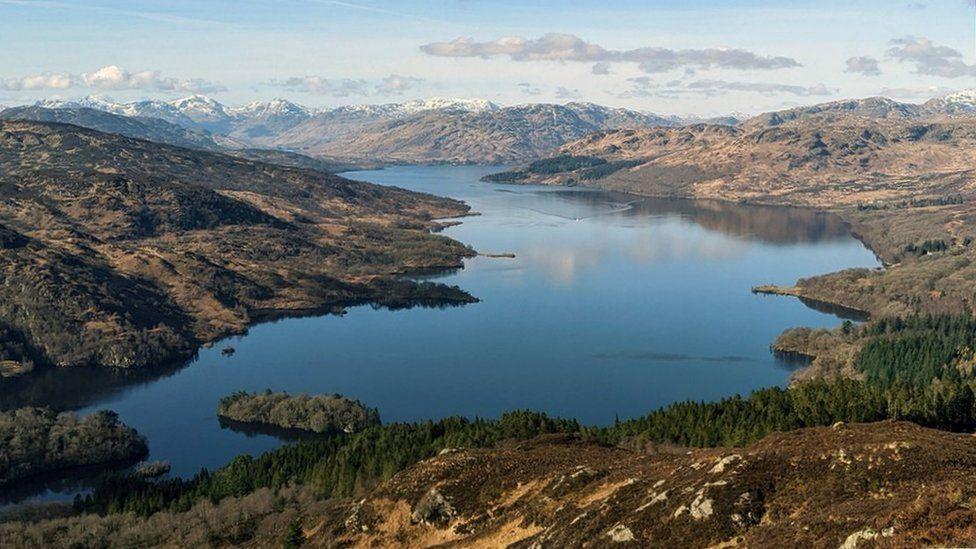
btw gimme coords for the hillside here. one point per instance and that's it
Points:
(890, 483)
(508, 134)
(959, 104)
(129, 253)
(161, 131)
(150, 129)
(844, 163)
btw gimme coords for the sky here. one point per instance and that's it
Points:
(701, 57)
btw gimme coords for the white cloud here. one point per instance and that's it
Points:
(865, 65)
(111, 77)
(46, 81)
(930, 59)
(396, 84)
(568, 47)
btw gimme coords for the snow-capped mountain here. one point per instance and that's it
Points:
(415, 106)
(445, 104)
(146, 128)
(170, 111)
(275, 107)
(262, 119)
(960, 103)
(207, 113)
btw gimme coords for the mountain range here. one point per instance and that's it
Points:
(418, 131)
(434, 130)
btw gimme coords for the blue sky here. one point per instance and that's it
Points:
(698, 56)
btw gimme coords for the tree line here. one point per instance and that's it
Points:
(914, 370)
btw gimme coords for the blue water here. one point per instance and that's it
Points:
(612, 307)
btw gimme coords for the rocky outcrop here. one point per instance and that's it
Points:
(820, 487)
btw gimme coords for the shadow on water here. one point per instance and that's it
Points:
(840, 311)
(75, 387)
(259, 429)
(77, 480)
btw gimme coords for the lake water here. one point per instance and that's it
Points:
(612, 307)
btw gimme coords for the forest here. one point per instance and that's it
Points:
(39, 440)
(912, 368)
(916, 369)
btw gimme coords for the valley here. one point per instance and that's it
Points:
(170, 237)
(532, 275)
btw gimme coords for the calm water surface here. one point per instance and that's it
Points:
(613, 306)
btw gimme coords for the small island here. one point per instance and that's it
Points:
(316, 413)
(39, 440)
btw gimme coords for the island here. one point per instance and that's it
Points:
(316, 413)
(39, 440)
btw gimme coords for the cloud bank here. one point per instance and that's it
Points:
(929, 58)
(393, 84)
(568, 47)
(324, 86)
(643, 86)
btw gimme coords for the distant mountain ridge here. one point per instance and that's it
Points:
(445, 130)
(161, 131)
(487, 135)
(140, 127)
(962, 103)
(411, 131)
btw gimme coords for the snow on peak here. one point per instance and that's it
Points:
(199, 105)
(416, 106)
(273, 107)
(447, 104)
(962, 96)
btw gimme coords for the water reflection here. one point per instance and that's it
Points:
(773, 224)
(76, 387)
(259, 429)
(73, 388)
